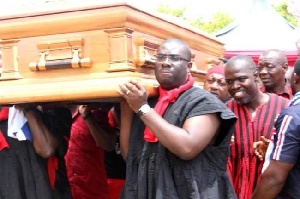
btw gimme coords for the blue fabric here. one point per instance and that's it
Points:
(18, 126)
(287, 146)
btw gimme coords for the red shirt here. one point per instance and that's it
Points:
(85, 161)
(243, 167)
(287, 93)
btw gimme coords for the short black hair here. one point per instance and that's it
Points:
(250, 65)
(297, 67)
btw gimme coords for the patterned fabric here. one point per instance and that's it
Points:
(154, 172)
(243, 166)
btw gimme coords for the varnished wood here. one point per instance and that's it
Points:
(117, 43)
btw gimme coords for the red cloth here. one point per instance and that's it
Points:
(243, 167)
(165, 97)
(3, 116)
(52, 166)
(111, 120)
(217, 69)
(115, 187)
(85, 161)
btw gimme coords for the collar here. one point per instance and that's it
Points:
(287, 92)
(295, 100)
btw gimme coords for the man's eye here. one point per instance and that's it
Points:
(174, 57)
(228, 81)
(222, 83)
(160, 56)
(242, 79)
(210, 81)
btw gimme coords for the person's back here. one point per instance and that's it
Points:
(84, 159)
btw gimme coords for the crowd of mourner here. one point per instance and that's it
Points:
(234, 138)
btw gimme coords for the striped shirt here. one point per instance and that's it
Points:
(287, 145)
(243, 166)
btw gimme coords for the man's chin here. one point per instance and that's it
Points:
(268, 85)
(242, 101)
(215, 94)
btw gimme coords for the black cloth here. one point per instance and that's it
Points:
(23, 173)
(154, 172)
(115, 165)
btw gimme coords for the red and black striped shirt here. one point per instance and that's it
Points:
(243, 166)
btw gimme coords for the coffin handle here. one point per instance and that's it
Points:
(75, 62)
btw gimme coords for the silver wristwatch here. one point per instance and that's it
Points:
(143, 110)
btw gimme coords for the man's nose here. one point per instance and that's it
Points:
(166, 62)
(214, 85)
(235, 84)
(263, 70)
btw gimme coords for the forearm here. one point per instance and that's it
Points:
(177, 140)
(126, 120)
(103, 138)
(268, 188)
(44, 142)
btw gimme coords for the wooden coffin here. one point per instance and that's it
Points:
(81, 53)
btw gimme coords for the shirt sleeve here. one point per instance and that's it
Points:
(287, 138)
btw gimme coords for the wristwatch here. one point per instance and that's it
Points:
(143, 110)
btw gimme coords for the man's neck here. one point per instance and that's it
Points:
(277, 89)
(258, 100)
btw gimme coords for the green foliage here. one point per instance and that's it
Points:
(219, 20)
(165, 8)
(282, 9)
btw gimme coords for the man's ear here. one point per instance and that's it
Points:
(285, 67)
(296, 78)
(256, 76)
(190, 64)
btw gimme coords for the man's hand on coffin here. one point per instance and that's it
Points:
(134, 93)
(104, 107)
(25, 107)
